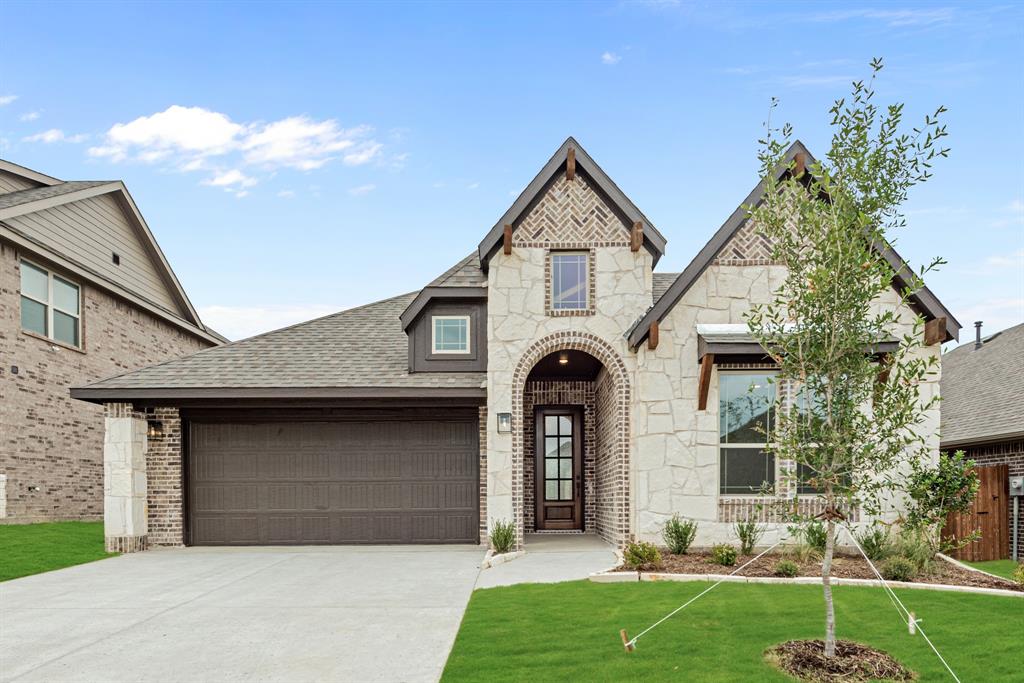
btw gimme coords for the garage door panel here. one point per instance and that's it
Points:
(338, 482)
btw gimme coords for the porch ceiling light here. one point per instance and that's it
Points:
(563, 359)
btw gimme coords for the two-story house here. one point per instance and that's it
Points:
(85, 292)
(552, 378)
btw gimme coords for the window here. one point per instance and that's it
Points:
(50, 305)
(558, 457)
(746, 407)
(569, 281)
(450, 334)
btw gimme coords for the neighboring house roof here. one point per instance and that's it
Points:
(983, 390)
(653, 240)
(661, 283)
(358, 353)
(16, 208)
(924, 301)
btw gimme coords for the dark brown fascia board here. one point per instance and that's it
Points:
(28, 173)
(727, 350)
(981, 440)
(107, 395)
(924, 301)
(45, 254)
(930, 306)
(654, 241)
(413, 310)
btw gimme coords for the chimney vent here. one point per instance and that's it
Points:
(977, 335)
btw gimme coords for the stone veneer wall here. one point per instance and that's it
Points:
(561, 393)
(1010, 453)
(47, 439)
(165, 480)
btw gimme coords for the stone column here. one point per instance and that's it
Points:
(124, 478)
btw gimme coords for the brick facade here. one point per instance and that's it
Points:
(51, 446)
(165, 479)
(484, 538)
(1005, 452)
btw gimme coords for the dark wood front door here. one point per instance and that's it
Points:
(558, 470)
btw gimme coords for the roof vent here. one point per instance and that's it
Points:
(116, 258)
(977, 335)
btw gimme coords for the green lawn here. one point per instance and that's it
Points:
(570, 631)
(33, 548)
(998, 567)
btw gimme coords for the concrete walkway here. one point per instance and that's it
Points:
(245, 614)
(551, 558)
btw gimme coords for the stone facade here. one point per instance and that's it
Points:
(51, 447)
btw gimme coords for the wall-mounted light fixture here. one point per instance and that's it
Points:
(563, 358)
(504, 423)
(155, 429)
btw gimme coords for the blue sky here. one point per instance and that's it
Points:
(296, 159)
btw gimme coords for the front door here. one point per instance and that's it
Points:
(558, 471)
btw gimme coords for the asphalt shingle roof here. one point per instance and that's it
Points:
(360, 347)
(36, 193)
(661, 283)
(465, 273)
(983, 389)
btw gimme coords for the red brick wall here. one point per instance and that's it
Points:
(612, 487)
(164, 479)
(47, 439)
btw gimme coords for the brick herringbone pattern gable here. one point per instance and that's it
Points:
(571, 211)
(747, 247)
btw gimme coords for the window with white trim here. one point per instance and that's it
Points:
(569, 280)
(450, 334)
(50, 305)
(746, 415)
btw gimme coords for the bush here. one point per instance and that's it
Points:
(787, 568)
(815, 535)
(876, 543)
(641, 556)
(723, 554)
(915, 546)
(898, 569)
(503, 536)
(1018, 574)
(679, 534)
(749, 534)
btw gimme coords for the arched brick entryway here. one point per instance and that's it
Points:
(613, 469)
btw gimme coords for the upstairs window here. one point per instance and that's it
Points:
(746, 407)
(50, 305)
(450, 334)
(569, 281)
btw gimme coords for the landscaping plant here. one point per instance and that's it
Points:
(875, 542)
(503, 536)
(934, 491)
(915, 546)
(723, 554)
(1018, 574)
(857, 419)
(787, 568)
(749, 533)
(814, 537)
(898, 568)
(641, 555)
(678, 534)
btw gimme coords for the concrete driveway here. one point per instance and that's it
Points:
(252, 614)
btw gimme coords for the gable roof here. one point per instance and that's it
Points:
(924, 301)
(464, 280)
(981, 390)
(59, 193)
(653, 240)
(27, 173)
(358, 353)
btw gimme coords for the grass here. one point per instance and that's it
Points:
(1002, 568)
(570, 631)
(27, 549)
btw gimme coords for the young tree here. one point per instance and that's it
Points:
(854, 417)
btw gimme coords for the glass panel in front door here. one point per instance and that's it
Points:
(558, 461)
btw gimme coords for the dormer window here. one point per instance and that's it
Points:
(450, 334)
(50, 305)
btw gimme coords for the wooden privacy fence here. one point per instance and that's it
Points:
(989, 514)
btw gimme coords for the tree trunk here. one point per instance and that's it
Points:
(826, 582)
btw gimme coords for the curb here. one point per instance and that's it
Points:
(619, 577)
(963, 565)
(492, 559)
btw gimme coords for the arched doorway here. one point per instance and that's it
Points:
(570, 445)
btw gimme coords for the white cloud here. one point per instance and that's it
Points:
(286, 194)
(472, 186)
(362, 154)
(893, 18)
(239, 322)
(610, 58)
(192, 130)
(231, 178)
(362, 190)
(7, 99)
(1012, 260)
(29, 116)
(55, 135)
(996, 314)
(300, 142)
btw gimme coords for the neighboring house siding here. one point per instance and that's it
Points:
(13, 183)
(46, 438)
(88, 232)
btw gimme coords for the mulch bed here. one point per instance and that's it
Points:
(845, 567)
(806, 661)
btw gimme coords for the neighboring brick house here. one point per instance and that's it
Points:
(551, 378)
(85, 292)
(983, 405)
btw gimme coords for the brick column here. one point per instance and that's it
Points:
(124, 478)
(164, 476)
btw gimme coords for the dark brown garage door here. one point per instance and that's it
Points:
(381, 481)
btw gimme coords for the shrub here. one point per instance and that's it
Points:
(915, 546)
(679, 534)
(503, 536)
(787, 568)
(876, 543)
(898, 568)
(641, 556)
(723, 554)
(815, 535)
(1018, 574)
(749, 534)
